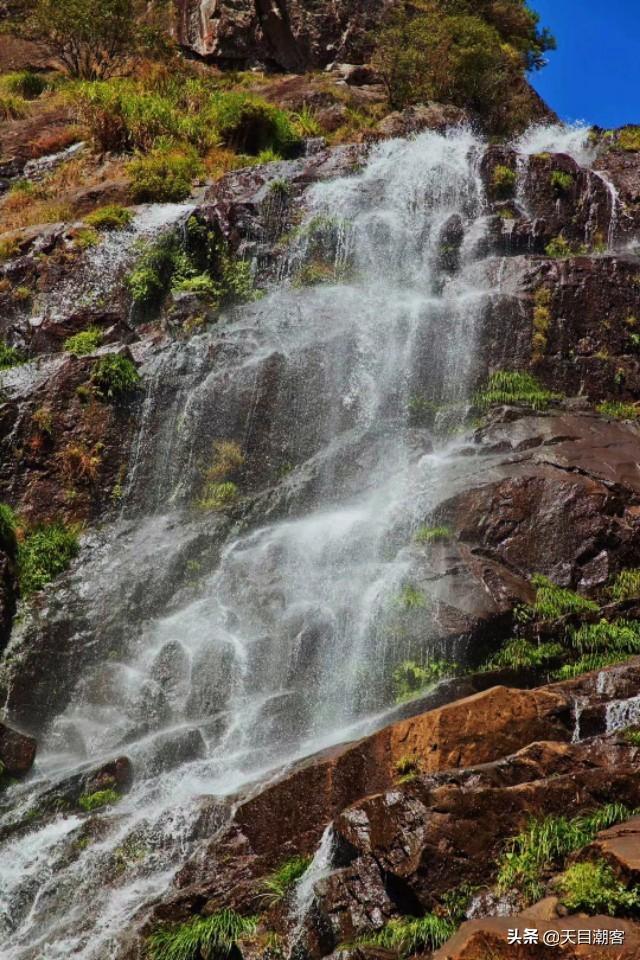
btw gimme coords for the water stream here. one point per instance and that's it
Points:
(278, 638)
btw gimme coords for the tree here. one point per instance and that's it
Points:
(91, 39)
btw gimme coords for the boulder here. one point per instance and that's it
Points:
(620, 845)
(17, 751)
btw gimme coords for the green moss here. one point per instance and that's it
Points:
(545, 843)
(9, 356)
(503, 181)
(513, 387)
(433, 535)
(593, 888)
(101, 798)
(410, 679)
(110, 217)
(213, 937)
(615, 410)
(114, 376)
(278, 884)
(83, 343)
(561, 182)
(43, 553)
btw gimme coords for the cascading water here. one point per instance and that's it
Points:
(280, 637)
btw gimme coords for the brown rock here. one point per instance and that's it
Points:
(17, 751)
(620, 845)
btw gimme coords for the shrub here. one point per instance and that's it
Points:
(629, 138)
(88, 38)
(307, 123)
(87, 341)
(43, 553)
(202, 284)
(560, 248)
(553, 601)
(592, 888)
(519, 652)
(411, 598)
(23, 83)
(510, 387)
(111, 217)
(277, 885)
(410, 678)
(626, 585)
(433, 535)
(164, 175)
(155, 268)
(9, 356)
(250, 125)
(115, 376)
(546, 842)
(9, 248)
(120, 116)
(214, 937)
(42, 420)
(407, 768)
(561, 182)
(616, 410)
(503, 181)
(216, 496)
(8, 524)
(101, 798)
(12, 107)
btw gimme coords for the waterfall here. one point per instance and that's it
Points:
(213, 652)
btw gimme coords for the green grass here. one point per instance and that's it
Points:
(43, 553)
(507, 387)
(23, 83)
(114, 376)
(616, 410)
(519, 652)
(410, 598)
(12, 106)
(588, 663)
(202, 285)
(278, 884)
(559, 248)
(545, 843)
(164, 175)
(110, 217)
(561, 182)
(101, 798)
(626, 586)
(212, 937)
(83, 343)
(411, 678)
(607, 637)
(504, 181)
(433, 535)
(632, 736)
(8, 524)
(553, 601)
(9, 356)
(407, 936)
(593, 888)
(217, 496)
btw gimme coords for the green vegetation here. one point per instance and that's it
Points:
(589, 662)
(111, 217)
(560, 248)
(407, 936)
(9, 247)
(407, 768)
(228, 460)
(8, 524)
(216, 496)
(464, 53)
(101, 798)
(629, 138)
(561, 182)
(23, 83)
(433, 535)
(592, 888)
(410, 679)
(616, 410)
(83, 343)
(114, 376)
(278, 884)
(164, 175)
(632, 736)
(626, 585)
(213, 937)
(410, 598)
(618, 636)
(43, 553)
(9, 356)
(553, 601)
(503, 181)
(512, 387)
(202, 285)
(12, 107)
(545, 843)
(541, 323)
(520, 652)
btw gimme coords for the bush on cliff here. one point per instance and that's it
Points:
(507, 387)
(114, 376)
(43, 553)
(164, 175)
(592, 887)
(471, 54)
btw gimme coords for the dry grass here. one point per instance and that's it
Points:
(53, 141)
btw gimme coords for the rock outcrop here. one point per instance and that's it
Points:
(17, 752)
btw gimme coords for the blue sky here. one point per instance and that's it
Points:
(594, 75)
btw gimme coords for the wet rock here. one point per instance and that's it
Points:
(432, 116)
(17, 751)
(620, 846)
(170, 750)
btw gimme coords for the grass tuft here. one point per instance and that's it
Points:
(213, 937)
(101, 798)
(83, 343)
(278, 884)
(507, 387)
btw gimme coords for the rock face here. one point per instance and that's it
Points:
(17, 751)
(287, 35)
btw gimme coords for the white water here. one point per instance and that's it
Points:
(573, 139)
(288, 642)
